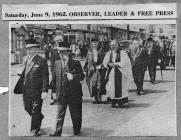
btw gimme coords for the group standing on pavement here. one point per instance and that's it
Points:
(108, 70)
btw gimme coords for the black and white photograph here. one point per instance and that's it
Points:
(92, 80)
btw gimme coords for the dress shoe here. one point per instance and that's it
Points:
(116, 105)
(77, 132)
(55, 135)
(34, 133)
(138, 92)
(153, 82)
(113, 104)
(142, 91)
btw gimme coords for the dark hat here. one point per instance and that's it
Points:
(60, 49)
(32, 43)
(162, 37)
(151, 35)
(150, 39)
(32, 46)
(174, 36)
(125, 41)
(94, 40)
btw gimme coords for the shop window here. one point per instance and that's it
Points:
(72, 38)
(19, 42)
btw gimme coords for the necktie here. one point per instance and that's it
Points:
(111, 57)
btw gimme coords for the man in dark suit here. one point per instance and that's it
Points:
(35, 86)
(153, 55)
(139, 64)
(66, 77)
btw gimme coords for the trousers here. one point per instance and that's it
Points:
(152, 72)
(139, 81)
(75, 107)
(33, 106)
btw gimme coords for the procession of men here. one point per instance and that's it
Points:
(107, 67)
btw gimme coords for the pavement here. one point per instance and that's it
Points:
(151, 114)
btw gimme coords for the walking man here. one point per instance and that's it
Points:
(153, 55)
(67, 74)
(139, 64)
(35, 86)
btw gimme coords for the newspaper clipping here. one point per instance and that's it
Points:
(92, 70)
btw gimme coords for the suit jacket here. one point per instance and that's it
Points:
(139, 64)
(140, 61)
(58, 81)
(154, 54)
(36, 77)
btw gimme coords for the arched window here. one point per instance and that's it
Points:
(19, 42)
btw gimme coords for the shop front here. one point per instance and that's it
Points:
(18, 37)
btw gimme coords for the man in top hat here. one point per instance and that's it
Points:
(139, 64)
(153, 54)
(66, 77)
(35, 87)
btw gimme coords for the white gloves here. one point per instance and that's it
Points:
(98, 67)
(69, 76)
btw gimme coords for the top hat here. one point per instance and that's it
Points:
(32, 46)
(60, 49)
(150, 39)
(125, 41)
(174, 36)
(31, 43)
(94, 40)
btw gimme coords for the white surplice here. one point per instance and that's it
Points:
(125, 68)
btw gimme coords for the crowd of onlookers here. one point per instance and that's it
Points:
(80, 48)
(159, 51)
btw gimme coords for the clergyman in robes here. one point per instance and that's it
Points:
(119, 74)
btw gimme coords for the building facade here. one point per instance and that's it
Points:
(78, 32)
(44, 33)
